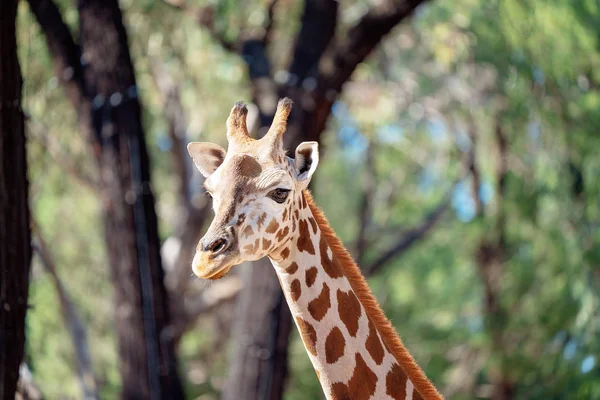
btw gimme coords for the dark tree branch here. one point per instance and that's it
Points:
(270, 22)
(364, 37)
(491, 256)
(63, 49)
(318, 25)
(339, 63)
(71, 319)
(364, 212)
(15, 235)
(66, 55)
(205, 17)
(411, 237)
(472, 167)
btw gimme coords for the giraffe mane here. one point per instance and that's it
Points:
(372, 308)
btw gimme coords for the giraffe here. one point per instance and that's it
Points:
(263, 208)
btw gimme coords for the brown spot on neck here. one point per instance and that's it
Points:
(335, 345)
(311, 276)
(330, 265)
(319, 306)
(361, 386)
(304, 238)
(295, 289)
(395, 383)
(373, 344)
(308, 334)
(292, 268)
(313, 223)
(350, 310)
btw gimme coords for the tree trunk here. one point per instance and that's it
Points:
(15, 236)
(258, 366)
(148, 365)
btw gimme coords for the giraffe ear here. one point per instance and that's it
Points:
(207, 156)
(307, 159)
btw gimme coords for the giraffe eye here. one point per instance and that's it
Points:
(279, 195)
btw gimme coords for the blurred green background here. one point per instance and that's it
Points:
(486, 111)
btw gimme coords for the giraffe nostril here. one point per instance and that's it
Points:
(217, 245)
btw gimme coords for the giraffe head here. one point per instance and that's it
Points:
(255, 189)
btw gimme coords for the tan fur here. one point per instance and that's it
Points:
(363, 292)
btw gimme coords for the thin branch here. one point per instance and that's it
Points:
(71, 318)
(270, 22)
(472, 166)
(362, 38)
(65, 52)
(55, 150)
(364, 213)
(222, 292)
(171, 98)
(205, 16)
(67, 58)
(411, 237)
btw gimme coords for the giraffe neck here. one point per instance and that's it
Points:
(351, 345)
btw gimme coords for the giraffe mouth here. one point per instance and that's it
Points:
(205, 266)
(219, 274)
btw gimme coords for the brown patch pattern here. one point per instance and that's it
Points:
(350, 310)
(248, 231)
(292, 268)
(313, 223)
(373, 344)
(330, 265)
(285, 253)
(311, 276)
(261, 220)
(285, 213)
(247, 166)
(304, 238)
(361, 386)
(272, 227)
(319, 306)
(309, 335)
(252, 248)
(282, 234)
(266, 244)
(335, 345)
(295, 289)
(395, 383)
